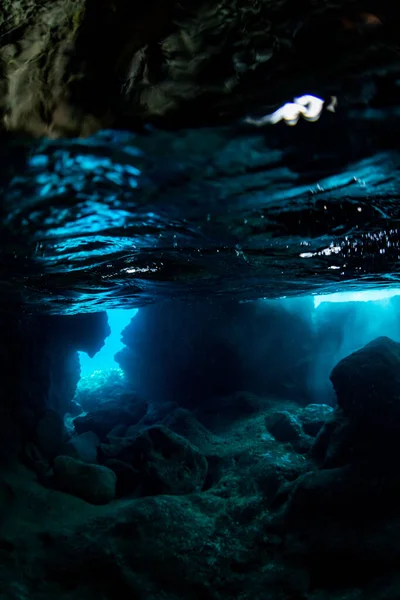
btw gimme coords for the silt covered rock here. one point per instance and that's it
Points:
(313, 417)
(169, 463)
(283, 426)
(367, 385)
(94, 483)
(107, 416)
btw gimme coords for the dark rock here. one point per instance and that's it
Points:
(367, 384)
(347, 444)
(323, 438)
(50, 433)
(121, 448)
(283, 426)
(107, 416)
(94, 483)
(275, 472)
(85, 332)
(184, 423)
(313, 417)
(118, 431)
(10, 437)
(34, 458)
(169, 463)
(156, 412)
(345, 494)
(303, 445)
(83, 447)
(128, 478)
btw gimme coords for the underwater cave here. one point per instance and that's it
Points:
(200, 300)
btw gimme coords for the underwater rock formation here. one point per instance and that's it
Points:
(367, 385)
(331, 511)
(93, 483)
(197, 354)
(269, 500)
(109, 415)
(40, 370)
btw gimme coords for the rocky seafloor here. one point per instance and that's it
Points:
(243, 497)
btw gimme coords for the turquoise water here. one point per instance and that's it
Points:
(118, 319)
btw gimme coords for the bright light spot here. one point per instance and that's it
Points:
(365, 296)
(104, 359)
(307, 106)
(131, 270)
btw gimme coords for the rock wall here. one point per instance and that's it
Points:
(191, 353)
(39, 372)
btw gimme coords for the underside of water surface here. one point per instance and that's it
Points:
(121, 220)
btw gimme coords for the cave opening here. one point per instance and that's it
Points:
(104, 359)
(101, 376)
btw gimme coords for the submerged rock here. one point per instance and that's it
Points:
(313, 417)
(284, 426)
(94, 483)
(366, 424)
(128, 478)
(169, 464)
(107, 416)
(367, 385)
(184, 423)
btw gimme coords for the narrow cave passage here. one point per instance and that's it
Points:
(102, 373)
(104, 360)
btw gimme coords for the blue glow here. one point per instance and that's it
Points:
(118, 319)
(365, 296)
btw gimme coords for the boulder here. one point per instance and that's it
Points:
(184, 423)
(283, 426)
(367, 385)
(348, 494)
(107, 416)
(313, 417)
(128, 478)
(169, 464)
(94, 483)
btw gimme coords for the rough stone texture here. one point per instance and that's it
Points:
(39, 371)
(128, 478)
(283, 426)
(313, 417)
(168, 463)
(167, 60)
(108, 415)
(367, 384)
(268, 524)
(94, 483)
